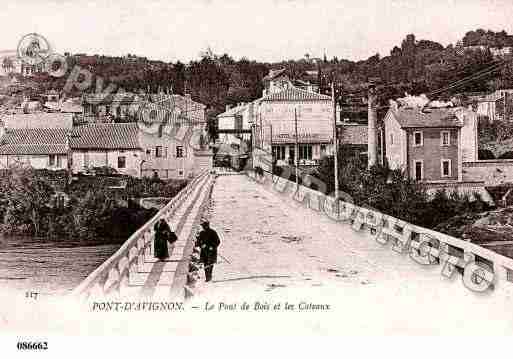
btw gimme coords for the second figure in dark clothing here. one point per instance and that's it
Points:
(163, 235)
(208, 241)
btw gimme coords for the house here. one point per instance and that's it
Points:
(36, 147)
(113, 145)
(157, 108)
(127, 147)
(234, 124)
(105, 107)
(430, 144)
(277, 115)
(278, 80)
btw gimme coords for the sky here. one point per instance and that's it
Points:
(264, 30)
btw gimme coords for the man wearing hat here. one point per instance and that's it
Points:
(208, 241)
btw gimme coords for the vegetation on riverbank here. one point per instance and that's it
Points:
(90, 209)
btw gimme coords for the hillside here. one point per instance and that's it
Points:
(414, 66)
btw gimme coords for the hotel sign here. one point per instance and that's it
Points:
(289, 136)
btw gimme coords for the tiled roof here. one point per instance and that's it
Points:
(431, 117)
(109, 136)
(354, 134)
(295, 94)
(33, 141)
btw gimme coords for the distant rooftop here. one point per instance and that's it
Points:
(411, 117)
(295, 94)
(106, 136)
(33, 141)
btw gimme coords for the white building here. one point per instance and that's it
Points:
(277, 116)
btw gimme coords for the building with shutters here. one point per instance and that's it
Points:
(431, 144)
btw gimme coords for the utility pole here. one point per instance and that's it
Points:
(296, 151)
(272, 152)
(372, 120)
(335, 140)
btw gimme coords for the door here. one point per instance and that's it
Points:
(418, 170)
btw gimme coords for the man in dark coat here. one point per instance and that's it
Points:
(208, 241)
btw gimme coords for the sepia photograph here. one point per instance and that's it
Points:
(219, 168)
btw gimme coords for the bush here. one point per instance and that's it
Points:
(485, 155)
(506, 155)
(94, 210)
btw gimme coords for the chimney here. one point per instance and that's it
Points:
(372, 120)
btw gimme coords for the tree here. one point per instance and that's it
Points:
(27, 197)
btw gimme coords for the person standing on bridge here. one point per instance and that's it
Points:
(163, 235)
(208, 241)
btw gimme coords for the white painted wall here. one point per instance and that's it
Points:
(36, 161)
(395, 152)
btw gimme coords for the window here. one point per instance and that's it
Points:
(279, 152)
(305, 152)
(148, 152)
(445, 138)
(419, 166)
(121, 162)
(292, 155)
(323, 150)
(59, 161)
(391, 138)
(446, 168)
(418, 139)
(158, 151)
(52, 160)
(179, 151)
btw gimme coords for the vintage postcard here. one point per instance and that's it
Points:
(254, 168)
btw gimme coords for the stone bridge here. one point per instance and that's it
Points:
(279, 241)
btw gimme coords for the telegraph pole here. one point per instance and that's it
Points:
(335, 141)
(296, 152)
(272, 151)
(372, 119)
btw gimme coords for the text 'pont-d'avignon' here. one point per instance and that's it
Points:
(137, 306)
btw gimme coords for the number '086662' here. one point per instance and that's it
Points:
(32, 345)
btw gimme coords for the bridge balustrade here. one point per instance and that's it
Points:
(404, 237)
